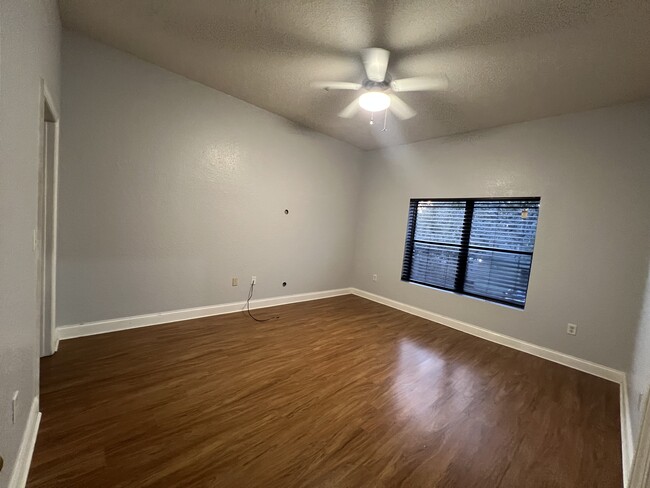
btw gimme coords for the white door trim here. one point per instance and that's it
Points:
(48, 346)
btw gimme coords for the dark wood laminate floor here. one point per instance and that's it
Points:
(340, 392)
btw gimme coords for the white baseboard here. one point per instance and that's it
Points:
(539, 351)
(24, 460)
(627, 444)
(113, 325)
(640, 473)
(55, 340)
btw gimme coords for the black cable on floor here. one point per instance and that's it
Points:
(247, 307)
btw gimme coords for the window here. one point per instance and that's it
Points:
(478, 247)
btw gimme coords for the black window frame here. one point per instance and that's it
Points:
(463, 246)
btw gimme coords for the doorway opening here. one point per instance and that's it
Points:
(45, 233)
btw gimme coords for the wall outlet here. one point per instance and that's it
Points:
(14, 407)
(374, 277)
(254, 280)
(571, 329)
(235, 281)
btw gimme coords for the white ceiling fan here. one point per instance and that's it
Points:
(379, 88)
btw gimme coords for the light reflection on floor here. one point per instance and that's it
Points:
(425, 389)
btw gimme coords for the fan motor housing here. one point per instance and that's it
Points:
(377, 85)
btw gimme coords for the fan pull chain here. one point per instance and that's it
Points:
(385, 129)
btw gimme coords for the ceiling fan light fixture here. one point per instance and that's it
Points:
(374, 101)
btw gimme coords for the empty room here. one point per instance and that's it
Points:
(319, 243)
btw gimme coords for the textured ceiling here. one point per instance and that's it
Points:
(507, 60)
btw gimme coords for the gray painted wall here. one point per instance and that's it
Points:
(592, 171)
(168, 189)
(639, 372)
(29, 51)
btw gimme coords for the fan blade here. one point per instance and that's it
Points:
(335, 85)
(420, 83)
(375, 60)
(351, 110)
(400, 108)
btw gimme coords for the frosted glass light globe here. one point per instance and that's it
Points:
(374, 101)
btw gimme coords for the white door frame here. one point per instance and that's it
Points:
(640, 477)
(47, 332)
